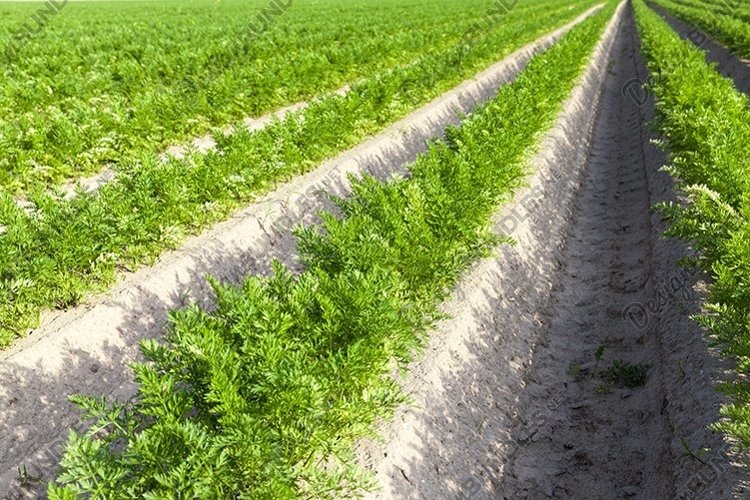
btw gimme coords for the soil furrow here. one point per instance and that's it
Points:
(87, 349)
(621, 312)
(570, 367)
(605, 440)
(456, 439)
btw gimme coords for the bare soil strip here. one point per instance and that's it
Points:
(86, 350)
(207, 143)
(728, 64)
(200, 144)
(515, 397)
(621, 296)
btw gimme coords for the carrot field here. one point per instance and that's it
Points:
(374, 249)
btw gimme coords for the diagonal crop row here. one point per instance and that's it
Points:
(57, 255)
(731, 8)
(469, 32)
(705, 125)
(724, 26)
(264, 396)
(70, 108)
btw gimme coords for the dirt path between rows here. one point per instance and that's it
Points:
(510, 398)
(603, 440)
(524, 403)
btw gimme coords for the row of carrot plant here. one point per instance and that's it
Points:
(724, 21)
(704, 123)
(733, 8)
(60, 253)
(264, 396)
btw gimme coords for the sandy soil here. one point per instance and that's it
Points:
(608, 441)
(510, 399)
(86, 350)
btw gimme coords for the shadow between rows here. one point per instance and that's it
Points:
(35, 414)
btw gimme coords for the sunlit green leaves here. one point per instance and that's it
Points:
(103, 83)
(69, 248)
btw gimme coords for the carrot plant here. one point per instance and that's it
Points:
(705, 126)
(263, 396)
(57, 256)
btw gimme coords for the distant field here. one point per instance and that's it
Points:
(98, 82)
